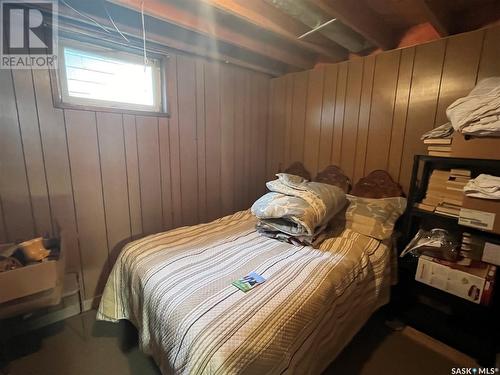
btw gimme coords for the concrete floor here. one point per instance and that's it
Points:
(82, 346)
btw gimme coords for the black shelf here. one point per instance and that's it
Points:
(436, 216)
(469, 327)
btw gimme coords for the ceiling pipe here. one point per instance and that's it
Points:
(310, 16)
(317, 28)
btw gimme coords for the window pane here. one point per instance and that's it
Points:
(95, 77)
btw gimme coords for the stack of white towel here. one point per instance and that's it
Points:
(483, 186)
(478, 113)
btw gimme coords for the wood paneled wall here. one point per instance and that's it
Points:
(105, 178)
(369, 113)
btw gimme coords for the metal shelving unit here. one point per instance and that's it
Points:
(470, 328)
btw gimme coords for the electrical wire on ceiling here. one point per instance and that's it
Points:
(85, 16)
(113, 22)
(144, 51)
(317, 28)
(143, 35)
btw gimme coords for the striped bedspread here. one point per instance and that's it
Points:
(175, 287)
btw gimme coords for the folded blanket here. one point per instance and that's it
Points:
(296, 210)
(483, 186)
(443, 131)
(479, 112)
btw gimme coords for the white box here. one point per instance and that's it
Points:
(491, 253)
(476, 288)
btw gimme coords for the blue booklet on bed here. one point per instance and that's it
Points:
(249, 282)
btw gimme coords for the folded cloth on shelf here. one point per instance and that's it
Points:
(483, 186)
(479, 112)
(443, 131)
(297, 211)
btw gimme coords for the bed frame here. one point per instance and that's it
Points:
(377, 184)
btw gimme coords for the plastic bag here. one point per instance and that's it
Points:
(437, 243)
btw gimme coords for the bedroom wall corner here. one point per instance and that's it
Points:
(369, 113)
(107, 178)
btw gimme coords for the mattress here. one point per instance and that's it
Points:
(175, 287)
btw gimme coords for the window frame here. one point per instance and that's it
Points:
(62, 99)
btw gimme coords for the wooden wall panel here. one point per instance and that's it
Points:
(149, 173)
(83, 148)
(33, 154)
(200, 141)
(490, 56)
(290, 82)
(460, 69)
(400, 112)
(133, 183)
(3, 232)
(382, 109)
(106, 178)
(165, 174)
(227, 139)
(422, 105)
(364, 118)
(56, 161)
(375, 109)
(262, 126)
(174, 138)
(327, 116)
(113, 162)
(14, 189)
(298, 116)
(351, 117)
(253, 139)
(247, 135)
(338, 122)
(313, 118)
(240, 141)
(213, 144)
(277, 97)
(186, 104)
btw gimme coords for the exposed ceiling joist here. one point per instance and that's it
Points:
(361, 19)
(162, 37)
(479, 17)
(438, 16)
(203, 24)
(268, 18)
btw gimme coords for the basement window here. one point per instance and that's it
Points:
(106, 79)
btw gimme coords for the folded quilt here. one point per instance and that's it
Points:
(479, 112)
(443, 131)
(483, 186)
(296, 210)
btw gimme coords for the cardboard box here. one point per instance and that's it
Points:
(32, 287)
(473, 284)
(481, 214)
(27, 280)
(476, 148)
(28, 304)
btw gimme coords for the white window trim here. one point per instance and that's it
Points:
(63, 100)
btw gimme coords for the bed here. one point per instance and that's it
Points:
(175, 287)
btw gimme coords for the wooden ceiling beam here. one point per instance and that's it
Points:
(202, 24)
(476, 17)
(167, 41)
(270, 19)
(360, 18)
(437, 14)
